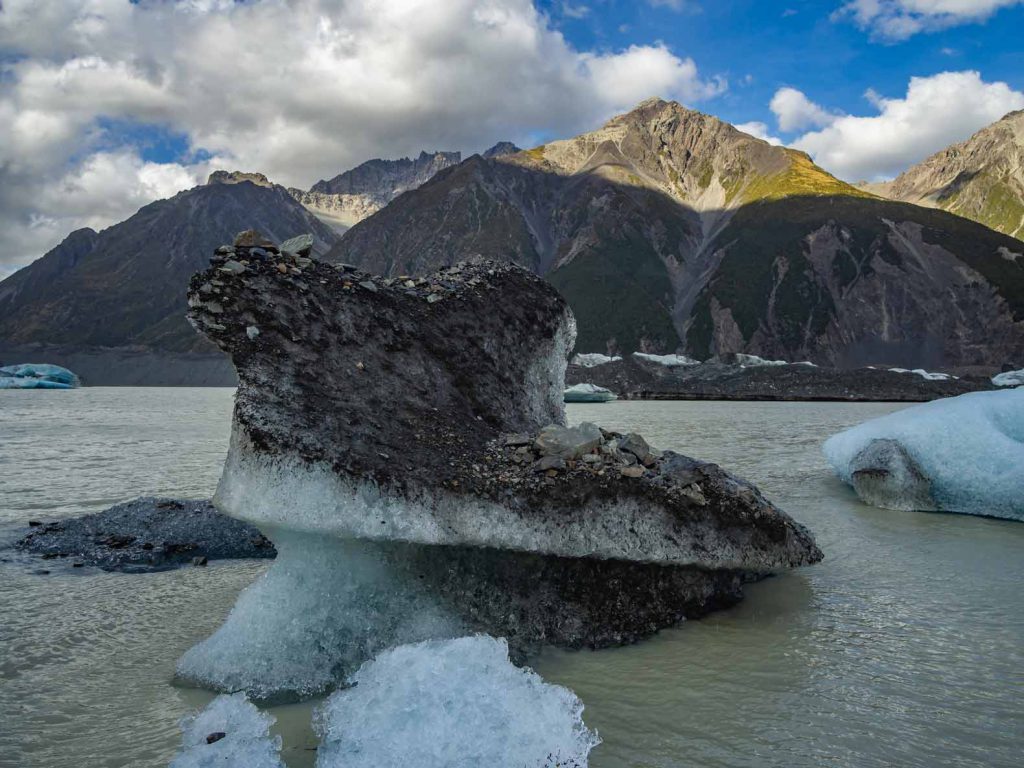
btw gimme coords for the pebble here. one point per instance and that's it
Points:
(634, 471)
(233, 267)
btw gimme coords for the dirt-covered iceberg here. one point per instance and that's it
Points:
(402, 442)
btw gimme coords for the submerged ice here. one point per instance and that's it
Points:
(229, 733)
(960, 454)
(451, 704)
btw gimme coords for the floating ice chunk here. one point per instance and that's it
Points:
(323, 607)
(669, 361)
(1009, 378)
(591, 359)
(37, 376)
(588, 393)
(959, 454)
(926, 374)
(229, 733)
(451, 704)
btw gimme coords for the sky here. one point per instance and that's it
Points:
(107, 105)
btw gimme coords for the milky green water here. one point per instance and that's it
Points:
(904, 647)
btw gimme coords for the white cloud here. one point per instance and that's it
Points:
(297, 90)
(575, 11)
(793, 111)
(935, 112)
(895, 20)
(758, 130)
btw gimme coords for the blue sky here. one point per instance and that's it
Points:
(798, 44)
(107, 105)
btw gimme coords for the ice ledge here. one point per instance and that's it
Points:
(714, 521)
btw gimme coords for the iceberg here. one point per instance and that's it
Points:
(669, 361)
(1009, 378)
(592, 359)
(588, 393)
(37, 376)
(451, 704)
(230, 731)
(427, 486)
(960, 454)
(753, 361)
(926, 375)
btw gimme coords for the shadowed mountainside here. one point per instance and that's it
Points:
(669, 229)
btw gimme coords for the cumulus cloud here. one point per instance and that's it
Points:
(759, 130)
(935, 112)
(793, 111)
(896, 20)
(297, 90)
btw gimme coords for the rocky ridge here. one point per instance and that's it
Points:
(981, 178)
(669, 230)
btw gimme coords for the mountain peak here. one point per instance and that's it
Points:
(237, 177)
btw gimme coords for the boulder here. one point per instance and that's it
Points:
(424, 483)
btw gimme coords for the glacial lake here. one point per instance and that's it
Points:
(904, 647)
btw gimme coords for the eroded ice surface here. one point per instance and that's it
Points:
(669, 361)
(969, 448)
(229, 733)
(324, 606)
(1009, 378)
(451, 704)
(590, 359)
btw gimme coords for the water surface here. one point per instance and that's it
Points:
(904, 647)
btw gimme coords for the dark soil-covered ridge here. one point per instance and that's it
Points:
(631, 379)
(147, 534)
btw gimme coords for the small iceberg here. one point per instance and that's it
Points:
(588, 393)
(669, 361)
(959, 454)
(451, 704)
(926, 375)
(753, 361)
(592, 359)
(1009, 378)
(231, 731)
(37, 376)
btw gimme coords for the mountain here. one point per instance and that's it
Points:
(362, 191)
(124, 287)
(980, 179)
(668, 229)
(351, 196)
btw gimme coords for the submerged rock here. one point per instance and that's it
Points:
(401, 483)
(148, 534)
(962, 454)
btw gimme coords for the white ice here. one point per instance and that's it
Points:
(669, 361)
(753, 361)
(591, 359)
(451, 704)
(971, 448)
(588, 393)
(1009, 378)
(246, 743)
(927, 375)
